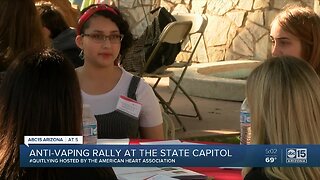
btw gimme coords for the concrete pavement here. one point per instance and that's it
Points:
(219, 117)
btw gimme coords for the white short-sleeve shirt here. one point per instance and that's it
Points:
(150, 114)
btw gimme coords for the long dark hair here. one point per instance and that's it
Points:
(40, 95)
(20, 29)
(52, 19)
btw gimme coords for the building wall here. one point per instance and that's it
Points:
(237, 29)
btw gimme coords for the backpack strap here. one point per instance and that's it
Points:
(133, 87)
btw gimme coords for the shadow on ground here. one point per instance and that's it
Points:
(219, 117)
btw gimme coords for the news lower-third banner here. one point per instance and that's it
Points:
(190, 155)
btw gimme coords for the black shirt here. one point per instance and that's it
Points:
(256, 173)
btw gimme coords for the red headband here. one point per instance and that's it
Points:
(92, 10)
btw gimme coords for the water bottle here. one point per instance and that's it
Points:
(245, 123)
(89, 131)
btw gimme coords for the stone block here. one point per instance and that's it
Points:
(256, 17)
(262, 50)
(217, 30)
(237, 17)
(260, 4)
(256, 30)
(245, 4)
(219, 7)
(243, 43)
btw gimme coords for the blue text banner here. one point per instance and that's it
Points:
(169, 155)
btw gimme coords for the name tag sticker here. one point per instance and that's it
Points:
(129, 106)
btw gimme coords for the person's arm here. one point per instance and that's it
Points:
(155, 132)
(150, 118)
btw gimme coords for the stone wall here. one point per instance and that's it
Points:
(137, 13)
(237, 29)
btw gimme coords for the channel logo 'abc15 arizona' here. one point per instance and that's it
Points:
(296, 155)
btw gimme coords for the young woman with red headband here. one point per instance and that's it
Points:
(124, 105)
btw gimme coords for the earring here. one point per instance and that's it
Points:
(118, 62)
(81, 56)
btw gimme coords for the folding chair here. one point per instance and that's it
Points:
(199, 24)
(173, 33)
